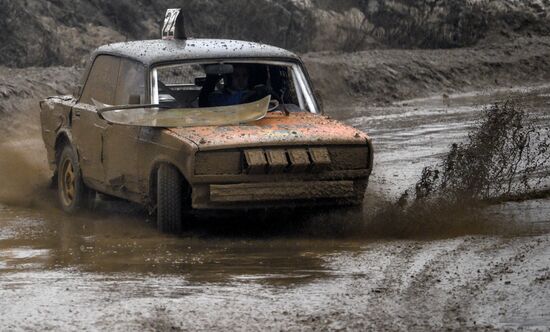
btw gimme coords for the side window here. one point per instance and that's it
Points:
(102, 80)
(131, 83)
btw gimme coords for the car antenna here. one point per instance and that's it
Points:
(173, 27)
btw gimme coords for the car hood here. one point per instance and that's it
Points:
(275, 129)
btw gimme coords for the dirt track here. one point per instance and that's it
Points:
(112, 270)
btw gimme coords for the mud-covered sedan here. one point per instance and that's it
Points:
(181, 124)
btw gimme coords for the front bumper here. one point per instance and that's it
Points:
(278, 194)
(276, 177)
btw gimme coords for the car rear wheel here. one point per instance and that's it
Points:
(169, 199)
(72, 193)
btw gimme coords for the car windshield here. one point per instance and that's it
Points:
(222, 84)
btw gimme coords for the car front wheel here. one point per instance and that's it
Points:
(169, 199)
(72, 193)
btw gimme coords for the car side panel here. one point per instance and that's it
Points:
(120, 157)
(87, 128)
(55, 118)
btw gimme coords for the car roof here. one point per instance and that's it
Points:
(154, 51)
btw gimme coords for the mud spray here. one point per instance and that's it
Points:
(24, 174)
(506, 157)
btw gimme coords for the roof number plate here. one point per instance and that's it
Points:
(173, 27)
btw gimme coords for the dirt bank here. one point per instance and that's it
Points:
(19, 86)
(382, 76)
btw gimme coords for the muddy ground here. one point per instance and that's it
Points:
(111, 269)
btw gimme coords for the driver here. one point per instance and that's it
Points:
(237, 91)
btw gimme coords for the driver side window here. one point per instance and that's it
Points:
(102, 80)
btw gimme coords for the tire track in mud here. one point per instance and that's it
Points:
(433, 286)
(511, 254)
(406, 267)
(363, 277)
(380, 278)
(420, 285)
(458, 276)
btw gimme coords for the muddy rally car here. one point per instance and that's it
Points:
(181, 125)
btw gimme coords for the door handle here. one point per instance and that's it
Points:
(77, 112)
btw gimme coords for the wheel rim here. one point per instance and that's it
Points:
(68, 183)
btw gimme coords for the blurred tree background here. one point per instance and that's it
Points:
(62, 32)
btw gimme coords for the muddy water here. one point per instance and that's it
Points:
(112, 270)
(415, 133)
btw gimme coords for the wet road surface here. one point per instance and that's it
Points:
(113, 270)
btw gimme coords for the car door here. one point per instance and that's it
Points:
(120, 141)
(87, 126)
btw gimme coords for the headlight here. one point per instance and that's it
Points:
(349, 157)
(218, 163)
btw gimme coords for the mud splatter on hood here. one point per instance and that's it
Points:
(275, 129)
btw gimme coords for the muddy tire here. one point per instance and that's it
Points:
(169, 200)
(72, 193)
